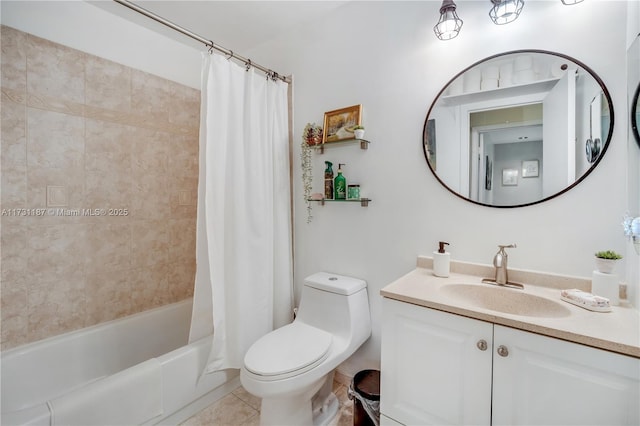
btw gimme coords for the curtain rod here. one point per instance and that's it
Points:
(210, 44)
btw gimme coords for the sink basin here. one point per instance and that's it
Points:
(506, 300)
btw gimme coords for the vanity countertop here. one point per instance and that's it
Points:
(616, 331)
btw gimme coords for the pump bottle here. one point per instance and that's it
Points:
(328, 181)
(441, 261)
(340, 184)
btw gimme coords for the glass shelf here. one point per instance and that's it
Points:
(364, 144)
(364, 202)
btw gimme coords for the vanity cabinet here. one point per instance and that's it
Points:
(441, 368)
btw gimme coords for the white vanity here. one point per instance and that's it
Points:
(457, 351)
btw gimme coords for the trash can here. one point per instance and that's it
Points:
(365, 393)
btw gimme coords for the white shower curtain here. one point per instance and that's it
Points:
(243, 285)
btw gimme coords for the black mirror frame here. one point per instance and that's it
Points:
(587, 173)
(634, 111)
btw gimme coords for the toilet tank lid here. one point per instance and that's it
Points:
(335, 283)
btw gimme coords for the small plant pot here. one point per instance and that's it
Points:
(359, 133)
(606, 266)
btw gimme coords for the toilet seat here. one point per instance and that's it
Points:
(288, 351)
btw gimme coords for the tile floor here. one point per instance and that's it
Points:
(240, 408)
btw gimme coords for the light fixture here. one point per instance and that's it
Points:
(570, 2)
(449, 24)
(505, 11)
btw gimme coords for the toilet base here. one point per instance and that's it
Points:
(316, 406)
(328, 411)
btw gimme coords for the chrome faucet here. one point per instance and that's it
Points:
(502, 273)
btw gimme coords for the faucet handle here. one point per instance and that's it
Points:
(512, 245)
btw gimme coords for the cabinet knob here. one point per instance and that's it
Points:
(482, 345)
(503, 351)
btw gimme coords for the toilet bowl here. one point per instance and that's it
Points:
(291, 368)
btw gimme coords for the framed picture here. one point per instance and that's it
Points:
(509, 177)
(339, 123)
(530, 169)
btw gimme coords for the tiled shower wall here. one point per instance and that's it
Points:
(99, 187)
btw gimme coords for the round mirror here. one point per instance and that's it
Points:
(518, 128)
(635, 114)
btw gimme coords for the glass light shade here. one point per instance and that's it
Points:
(449, 24)
(505, 11)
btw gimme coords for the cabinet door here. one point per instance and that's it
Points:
(432, 369)
(545, 381)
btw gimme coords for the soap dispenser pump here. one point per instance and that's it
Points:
(441, 261)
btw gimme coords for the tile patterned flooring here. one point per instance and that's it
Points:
(240, 408)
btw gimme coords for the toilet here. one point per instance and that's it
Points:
(291, 368)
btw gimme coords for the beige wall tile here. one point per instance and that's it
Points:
(149, 286)
(109, 246)
(183, 156)
(108, 84)
(182, 240)
(13, 143)
(103, 136)
(14, 253)
(150, 242)
(56, 306)
(151, 96)
(71, 183)
(15, 331)
(54, 70)
(55, 252)
(183, 197)
(184, 108)
(181, 280)
(108, 296)
(14, 59)
(54, 140)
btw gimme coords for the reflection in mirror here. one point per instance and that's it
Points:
(518, 128)
(635, 114)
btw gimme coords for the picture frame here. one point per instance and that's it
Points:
(509, 177)
(339, 123)
(530, 168)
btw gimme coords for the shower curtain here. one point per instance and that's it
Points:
(243, 285)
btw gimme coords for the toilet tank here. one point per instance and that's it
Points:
(335, 303)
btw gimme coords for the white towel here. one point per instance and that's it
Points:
(130, 397)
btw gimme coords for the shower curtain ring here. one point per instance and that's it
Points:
(247, 65)
(230, 55)
(211, 48)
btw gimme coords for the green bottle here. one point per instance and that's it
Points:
(340, 185)
(328, 181)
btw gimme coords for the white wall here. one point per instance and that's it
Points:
(385, 56)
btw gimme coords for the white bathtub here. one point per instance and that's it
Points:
(134, 370)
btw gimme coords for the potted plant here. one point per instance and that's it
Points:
(606, 261)
(359, 131)
(311, 136)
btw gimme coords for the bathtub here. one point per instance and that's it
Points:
(134, 370)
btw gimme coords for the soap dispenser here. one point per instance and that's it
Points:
(340, 184)
(441, 261)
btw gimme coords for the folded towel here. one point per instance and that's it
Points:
(586, 300)
(130, 397)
